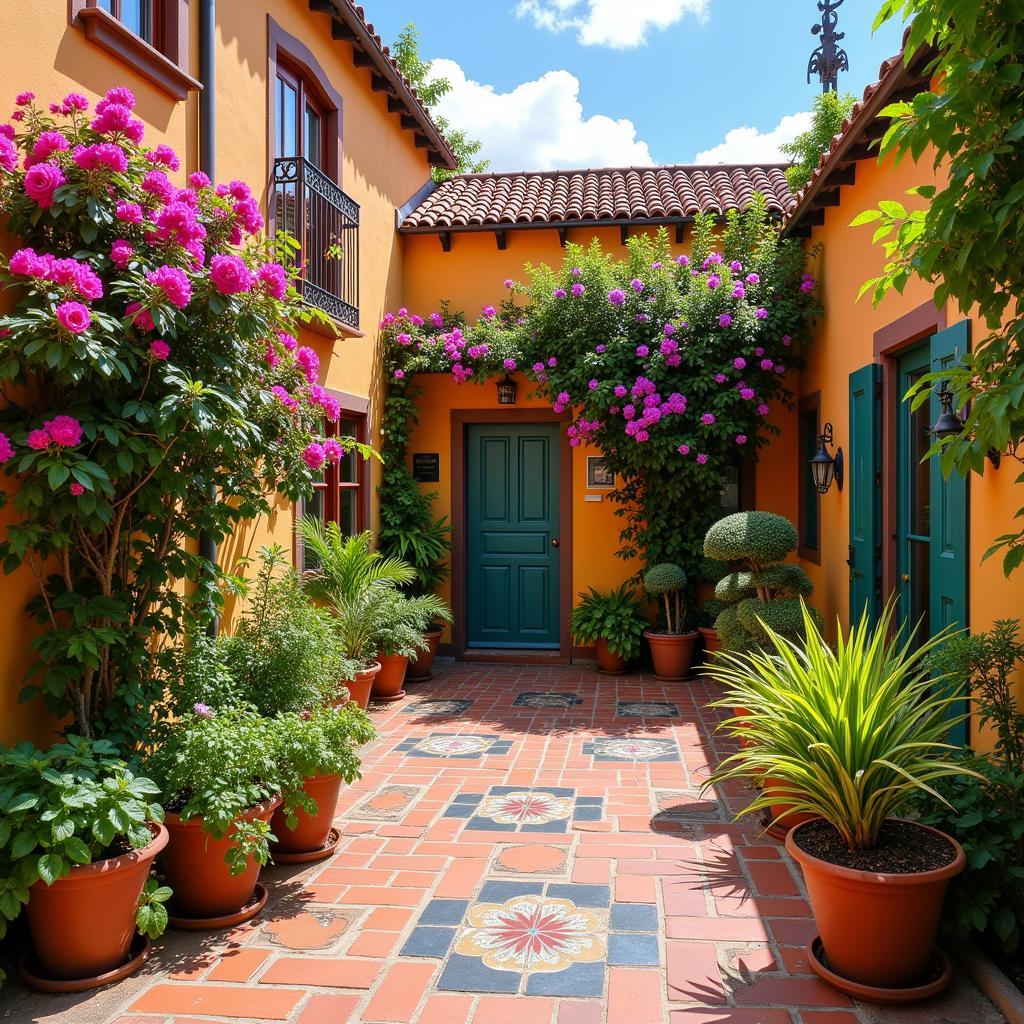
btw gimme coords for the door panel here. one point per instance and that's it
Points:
(865, 492)
(512, 517)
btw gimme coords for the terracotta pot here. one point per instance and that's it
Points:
(781, 818)
(197, 872)
(610, 664)
(712, 641)
(423, 665)
(387, 684)
(360, 687)
(310, 833)
(877, 929)
(743, 713)
(672, 654)
(83, 925)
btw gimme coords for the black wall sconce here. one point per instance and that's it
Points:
(506, 391)
(826, 467)
(948, 424)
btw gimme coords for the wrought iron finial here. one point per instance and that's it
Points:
(829, 58)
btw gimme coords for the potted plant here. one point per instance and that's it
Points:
(672, 648)
(315, 753)
(848, 736)
(710, 572)
(402, 622)
(614, 623)
(218, 774)
(78, 834)
(354, 582)
(421, 665)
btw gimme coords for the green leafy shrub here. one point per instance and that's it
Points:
(402, 621)
(762, 590)
(666, 580)
(617, 618)
(849, 734)
(76, 803)
(827, 116)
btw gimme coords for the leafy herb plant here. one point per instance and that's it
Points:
(618, 618)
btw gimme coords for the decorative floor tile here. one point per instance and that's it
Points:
(631, 749)
(547, 700)
(317, 929)
(389, 803)
(466, 746)
(438, 708)
(531, 860)
(645, 709)
(680, 805)
(538, 809)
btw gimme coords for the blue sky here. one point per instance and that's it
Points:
(596, 82)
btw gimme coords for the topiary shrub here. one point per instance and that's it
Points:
(762, 589)
(667, 580)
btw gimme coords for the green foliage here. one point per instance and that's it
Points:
(70, 805)
(355, 582)
(764, 591)
(827, 116)
(402, 620)
(964, 237)
(847, 734)
(406, 54)
(617, 618)
(319, 742)
(151, 915)
(664, 580)
(214, 763)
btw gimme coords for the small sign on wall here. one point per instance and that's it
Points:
(426, 467)
(598, 474)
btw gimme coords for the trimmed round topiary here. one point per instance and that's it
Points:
(784, 617)
(730, 630)
(711, 570)
(664, 578)
(735, 587)
(751, 538)
(785, 580)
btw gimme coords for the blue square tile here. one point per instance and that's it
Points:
(459, 811)
(470, 974)
(547, 826)
(444, 912)
(578, 980)
(468, 798)
(587, 814)
(581, 895)
(589, 801)
(429, 942)
(634, 917)
(639, 950)
(498, 892)
(488, 825)
(557, 790)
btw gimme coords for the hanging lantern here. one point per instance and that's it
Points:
(506, 391)
(826, 467)
(948, 424)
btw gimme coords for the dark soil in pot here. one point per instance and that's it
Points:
(903, 848)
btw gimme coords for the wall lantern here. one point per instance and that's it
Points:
(824, 466)
(506, 391)
(948, 424)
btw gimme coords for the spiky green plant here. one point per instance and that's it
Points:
(847, 734)
(353, 581)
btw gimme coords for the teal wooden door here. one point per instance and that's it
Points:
(512, 518)
(931, 520)
(865, 469)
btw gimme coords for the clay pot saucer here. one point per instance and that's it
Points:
(388, 700)
(306, 856)
(937, 978)
(29, 970)
(202, 924)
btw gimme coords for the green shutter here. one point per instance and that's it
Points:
(948, 548)
(865, 496)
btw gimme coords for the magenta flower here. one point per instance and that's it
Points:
(562, 397)
(736, 267)
(76, 490)
(643, 351)
(787, 340)
(164, 155)
(314, 455)
(489, 312)
(702, 458)
(707, 419)
(274, 279)
(47, 143)
(173, 283)
(741, 438)
(158, 185)
(807, 285)
(762, 409)
(8, 154)
(620, 391)
(141, 318)
(753, 279)
(747, 394)
(592, 384)
(725, 320)
(578, 289)
(6, 448)
(552, 362)
(538, 367)
(600, 349)
(719, 378)
(683, 449)
(130, 213)
(509, 283)
(41, 181)
(159, 349)
(65, 431)
(617, 297)
(739, 292)
(309, 362)
(38, 440)
(683, 261)
(668, 330)
(766, 364)
(714, 281)
(333, 449)
(576, 272)
(198, 180)
(762, 313)
(230, 275)
(740, 363)
(23, 99)
(202, 710)
(121, 253)
(399, 374)
(509, 364)
(560, 293)
(637, 285)
(436, 319)
(641, 436)
(74, 317)
(758, 351)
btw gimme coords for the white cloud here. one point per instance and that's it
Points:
(613, 23)
(539, 125)
(747, 145)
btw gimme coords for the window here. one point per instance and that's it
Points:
(809, 509)
(342, 495)
(300, 120)
(138, 16)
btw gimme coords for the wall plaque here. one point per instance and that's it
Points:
(426, 467)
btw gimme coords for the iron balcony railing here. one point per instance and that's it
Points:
(325, 221)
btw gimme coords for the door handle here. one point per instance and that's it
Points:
(906, 577)
(555, 542)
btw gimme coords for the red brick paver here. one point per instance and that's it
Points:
(699, 919)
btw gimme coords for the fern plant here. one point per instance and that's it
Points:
(617, 618)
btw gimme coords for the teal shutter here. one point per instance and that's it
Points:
(864, 469)
(948, 569)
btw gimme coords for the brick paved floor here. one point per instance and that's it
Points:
(525, 833)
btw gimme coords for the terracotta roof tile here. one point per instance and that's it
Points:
(614, 194)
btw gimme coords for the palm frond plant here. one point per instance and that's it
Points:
(403, 621)
(848, 734)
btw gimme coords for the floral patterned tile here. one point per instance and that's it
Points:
(547, 700)
(438, 708)
(645, 709)
(631, 748)
(389, 803)
(534, 938)
(511, 809)
(465, 746)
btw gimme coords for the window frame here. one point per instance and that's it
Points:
(807, 406)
